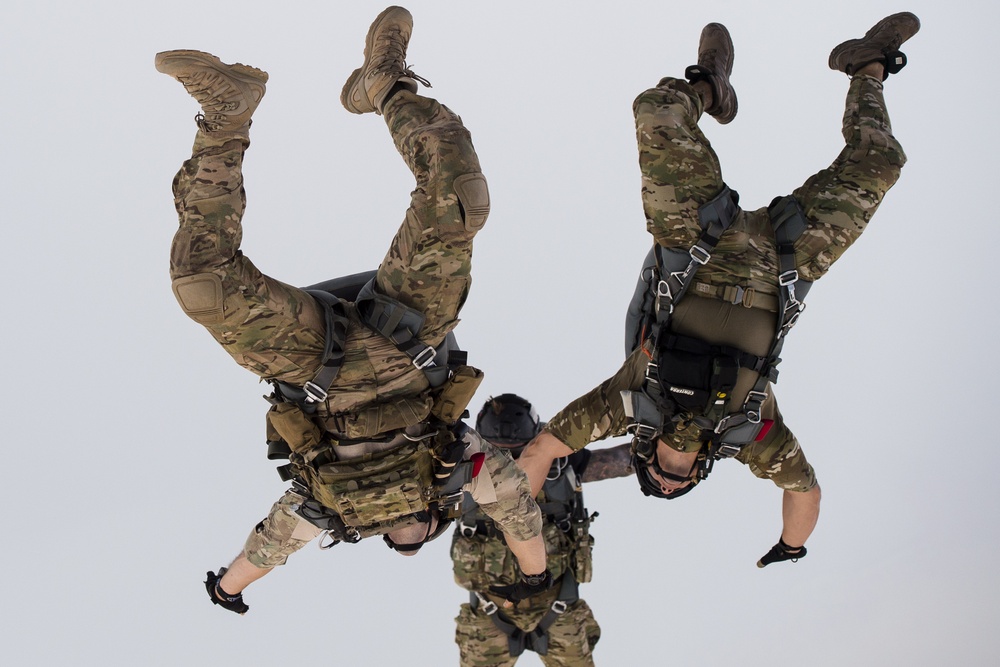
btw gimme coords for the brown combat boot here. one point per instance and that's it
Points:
(228, 94)
(880, 44)
(715, 64)
(369, 86)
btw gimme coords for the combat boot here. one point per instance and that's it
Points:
(228, 94)
(715, 64)
(369, 86)
(880, 44)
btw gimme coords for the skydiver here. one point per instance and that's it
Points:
(364, 406)
(696, 385)
(556, 623)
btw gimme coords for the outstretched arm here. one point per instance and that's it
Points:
(607, 463)
(530, 554)
(537, 458)
(799, 513)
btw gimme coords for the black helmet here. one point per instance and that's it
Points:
(508, 421)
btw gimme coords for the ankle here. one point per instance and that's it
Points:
(873, 69)
(704, 90)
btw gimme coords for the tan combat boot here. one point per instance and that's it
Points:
(880, 44)
(228, 94)
(715, 64)
(369, 86)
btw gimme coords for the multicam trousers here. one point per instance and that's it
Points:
(680, 172)
(571, 638)
(277, 331)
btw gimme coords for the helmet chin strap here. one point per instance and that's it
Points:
(651, 486)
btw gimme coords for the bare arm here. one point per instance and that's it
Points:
(608, 463)
(530, 554)
(537, 458)
(799, 513)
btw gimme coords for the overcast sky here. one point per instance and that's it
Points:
(135, 457)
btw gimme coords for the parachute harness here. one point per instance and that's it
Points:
(669, 394)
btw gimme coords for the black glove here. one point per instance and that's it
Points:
(233, 603)
(530, 584)
(780, 552)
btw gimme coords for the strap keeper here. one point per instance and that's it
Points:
(559, 607)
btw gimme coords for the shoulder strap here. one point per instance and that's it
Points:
(667, 273)
(401, 325)
(788, 221)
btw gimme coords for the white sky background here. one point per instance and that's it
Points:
(134, 445)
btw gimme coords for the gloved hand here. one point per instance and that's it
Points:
(780, 552)
(530, 584)
(233, 603)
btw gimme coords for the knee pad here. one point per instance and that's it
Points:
(201, 297)
(474, 197)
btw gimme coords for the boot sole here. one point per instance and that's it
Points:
(906, 24)
(169, 61)
(355, 80)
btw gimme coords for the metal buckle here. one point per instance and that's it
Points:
(651, 372)
(314, 392)
(488, 606)
(663, 290)
(453, 499)
(726, 451)
(332, 543)
(789, 277)
(559, 607)
(425, 358)
(643, 432)
(699, 254)
(465, 529)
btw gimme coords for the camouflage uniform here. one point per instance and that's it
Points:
(680, 172)
(481, 559)
(278, 331)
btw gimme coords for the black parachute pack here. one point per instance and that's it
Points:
(355, 498)
(689, 377)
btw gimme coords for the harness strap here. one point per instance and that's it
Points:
(747, 297)
(401, 324)
(676, 270)
(789, 222)
(315, 391)
(537, 639)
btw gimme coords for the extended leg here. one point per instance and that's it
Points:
(268, 327)
(680, 171)
(840, 201)
(429, 263)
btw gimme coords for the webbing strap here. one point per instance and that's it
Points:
(333, 353)
(788, 222)
(401, 325)
(537, 639)
(714, 217)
